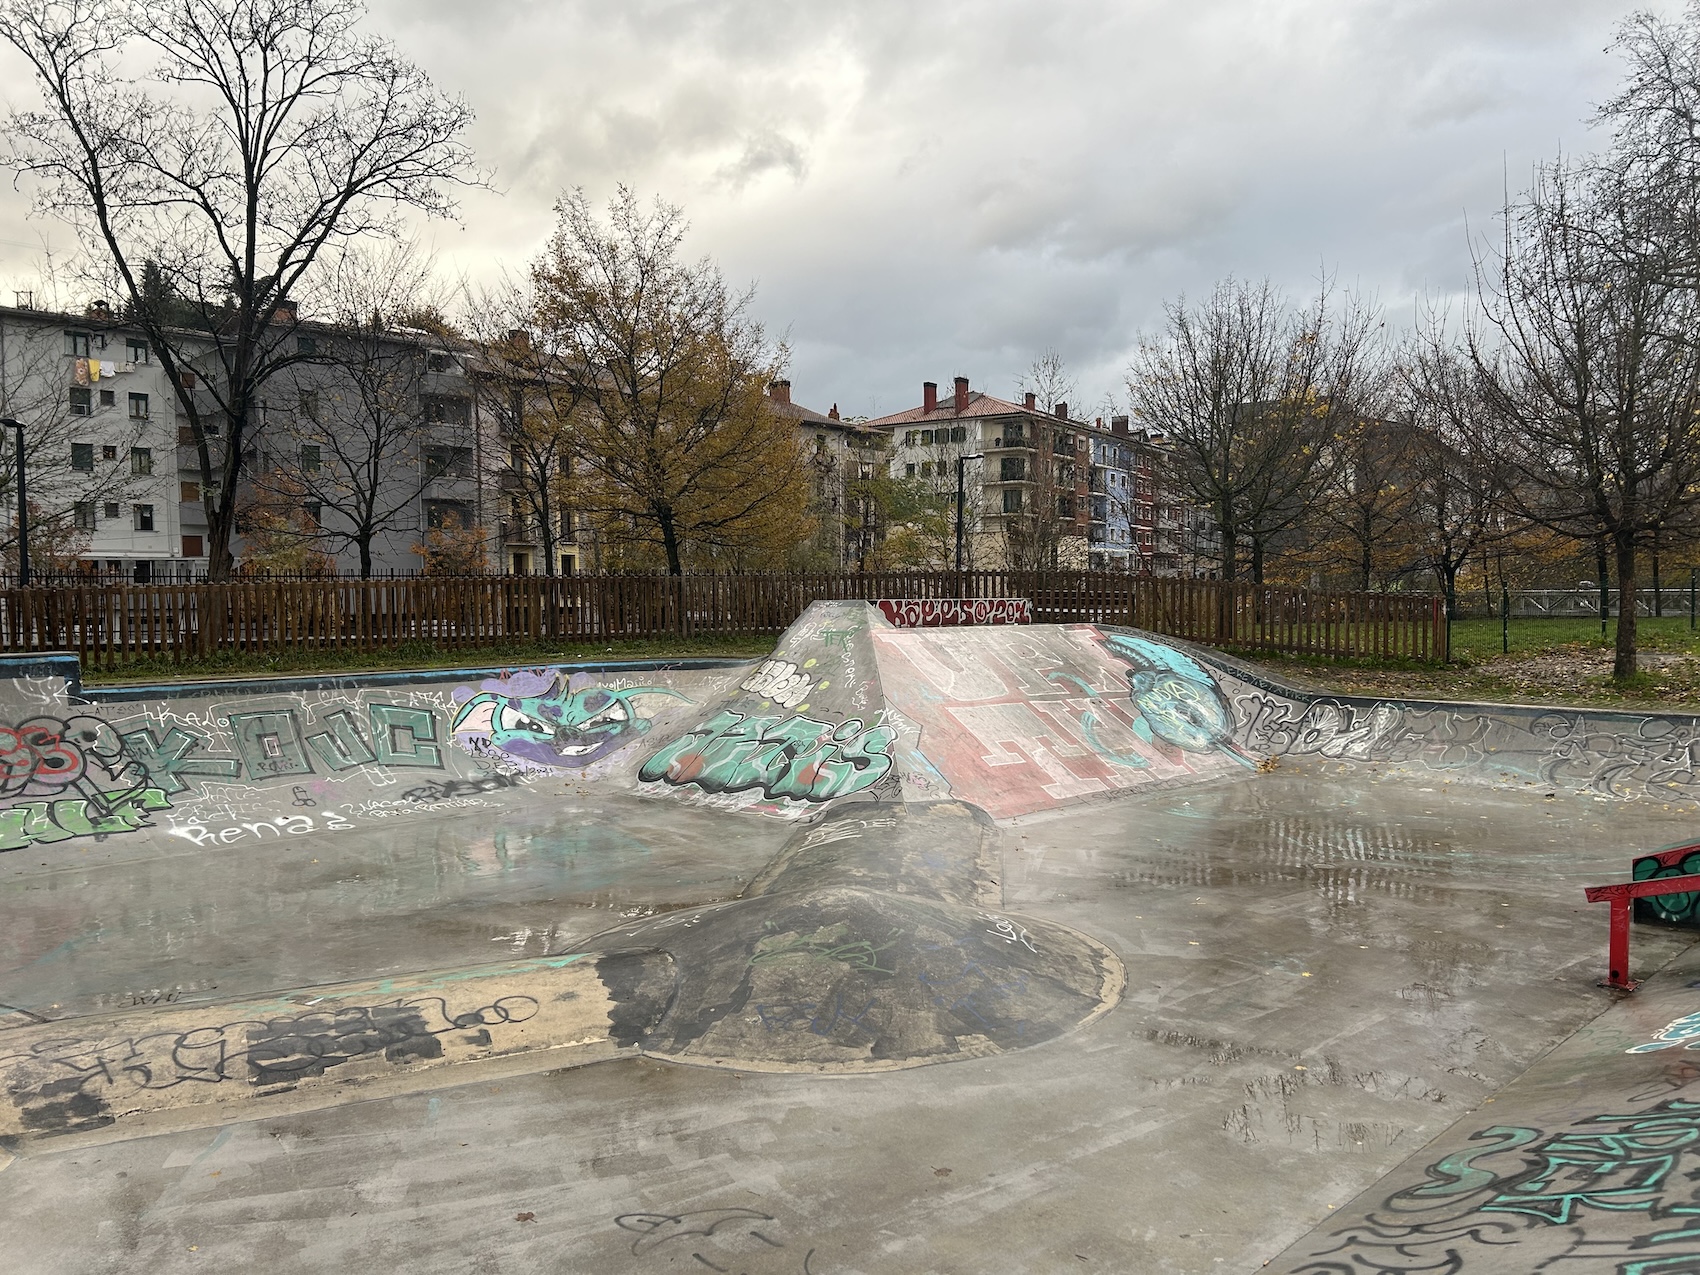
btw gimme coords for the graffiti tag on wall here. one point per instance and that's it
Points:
(927, 613)
(796, 758)
(539, 720)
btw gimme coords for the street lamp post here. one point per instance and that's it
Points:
(960, 462)
(23, 504)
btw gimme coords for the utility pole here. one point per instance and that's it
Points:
(23, 506)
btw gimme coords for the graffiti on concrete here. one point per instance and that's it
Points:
(1675, 909)
(1177, 699)
(548, 719)
(72, 1083)
(744, 1240)
(928, 613)
(70, 777)
(780, 681)
(794, 758)
(1620, 1186)
(1684, 1032)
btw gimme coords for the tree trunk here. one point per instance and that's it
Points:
(1658, 596)
(670, 540)
(219, 558)
(1449, 587)
(1603, 569)
(1257, 559)
(1623, 667)
(365, 543)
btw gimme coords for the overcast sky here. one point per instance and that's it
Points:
(921, 191)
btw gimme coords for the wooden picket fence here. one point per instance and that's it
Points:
(108, 625)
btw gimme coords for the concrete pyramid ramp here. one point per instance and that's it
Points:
(806, 727)
(1023, 719)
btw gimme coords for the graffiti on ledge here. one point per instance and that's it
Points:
(929, 613)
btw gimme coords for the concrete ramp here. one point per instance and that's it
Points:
(1021, 719)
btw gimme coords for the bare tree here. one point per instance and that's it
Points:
(363, 439)
(1250, 394)
(1589, 372)
(673, 446)
(1457, 508)
(267, 132)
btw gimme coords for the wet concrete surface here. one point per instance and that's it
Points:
(1325, 972)
(128, 921)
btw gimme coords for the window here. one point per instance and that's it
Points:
(136, 351)
(81, 400)
(1012, 500)
(186, 380)
(1012, 469)
(314, 510)
(111, 509)
(926, 469)
(448, 462)
(109, 451)
(141, 461)
(109, 398)
(82, 515)
(927, 437)
(185, 435)
(138, 407)
(309, 406)
(438, 409)
(959, 434)
(192, 547)
(1065, 507)
(516, 458)
(911, 437)
(447, 514)
(439, 362)
(1013, 435)
(306, 345)
(909, 471)
(82, 457)
(189, 493)
(309, 458)
(77, 344)
(144, 517)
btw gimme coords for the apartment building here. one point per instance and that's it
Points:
(1025, 472)
(844, 458)
(370, 441)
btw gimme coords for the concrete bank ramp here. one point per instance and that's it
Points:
(1588, 1162)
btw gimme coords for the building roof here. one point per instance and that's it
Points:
(979, 404)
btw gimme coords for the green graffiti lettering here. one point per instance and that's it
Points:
(405, 736)
(341, 746)
(47, 822)
(798, 758)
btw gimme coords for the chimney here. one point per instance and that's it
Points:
(833, 414)
(286, 311)
(779, 391)
(519, 338)
(929, 396)
(1062, 411)
(100, 311)
(1118, 425)
(1030, 401)
(961, 395)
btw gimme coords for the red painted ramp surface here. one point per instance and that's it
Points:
(1017, 720)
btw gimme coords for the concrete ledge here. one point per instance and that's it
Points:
(181, 1066)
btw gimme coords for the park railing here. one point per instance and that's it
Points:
(111, 624)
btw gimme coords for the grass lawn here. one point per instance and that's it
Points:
(427, 655)
(1554, 661)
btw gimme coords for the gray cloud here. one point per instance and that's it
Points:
(927, 190)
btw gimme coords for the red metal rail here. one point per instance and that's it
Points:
(1622, 897)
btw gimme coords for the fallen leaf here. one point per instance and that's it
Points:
(525, 1217)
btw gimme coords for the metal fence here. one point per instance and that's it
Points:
(110, 624)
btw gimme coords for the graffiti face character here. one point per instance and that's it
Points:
(540, 721)
(1177, 697)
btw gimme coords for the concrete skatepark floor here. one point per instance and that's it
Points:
(1325, 971)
